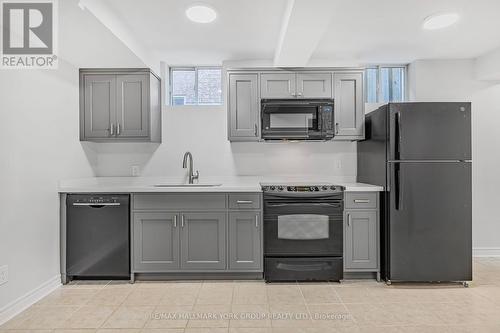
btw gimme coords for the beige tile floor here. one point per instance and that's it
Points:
(256, 307)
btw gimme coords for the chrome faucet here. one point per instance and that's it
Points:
(192, 176)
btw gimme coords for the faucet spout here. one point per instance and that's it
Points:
(189, 165)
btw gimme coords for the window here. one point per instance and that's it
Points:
(385, 84)
(196, 86)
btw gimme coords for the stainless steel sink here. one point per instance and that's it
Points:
(187, 185)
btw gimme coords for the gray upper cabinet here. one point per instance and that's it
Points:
(161, 250)
(277, 85)
(296, 85)
(120, 105)
(243, 107)
(349, 106)
(203, 241)
(245, 241)
(314, 85)
(132, 106)
(99, 105)
(361, 248)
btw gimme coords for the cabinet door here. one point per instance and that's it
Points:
(132, 105)
(99, 105)
(277, 85)
(245, 245)
(243, 107)
(360, 240)
(156, 242)
(203, 241)
(349, 105)
(314, 85)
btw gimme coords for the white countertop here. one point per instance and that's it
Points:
(227, 184)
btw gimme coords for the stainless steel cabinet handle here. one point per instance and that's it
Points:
(348, 220)
(175, 221)
(256, 130)
(112, 129)
(118, 129)
(256, 221)
(294, 94)
(96, 204)
(299, 94)
(182, 221)
(240, 202)
(336, 128)
(361, 201)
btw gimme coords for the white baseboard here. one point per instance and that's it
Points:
(22, 303)
(481, 252)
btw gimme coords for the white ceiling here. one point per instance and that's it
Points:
(360, 31)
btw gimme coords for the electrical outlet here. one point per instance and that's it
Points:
(136, 170)
(4, 274)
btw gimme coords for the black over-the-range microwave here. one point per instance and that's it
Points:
(297, 119)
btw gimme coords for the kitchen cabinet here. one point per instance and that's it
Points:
(243, 107)
(296, 85)
(361, 233)
(197, 233)
(349, 106)
(119, 105)
(314, 85)
(245, 241)
(160, 251)
(203, 241)
(361, 239)
(277, 85)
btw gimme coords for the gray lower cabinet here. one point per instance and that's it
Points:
(197, 233)
(203, 241)
(243, 107)
(349, 106)
(245, 240)
(361, 233)
(155, 242)
(119, 105)
(361, 240)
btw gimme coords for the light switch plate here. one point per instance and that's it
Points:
(4, 274)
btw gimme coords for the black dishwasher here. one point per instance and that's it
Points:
(97, 236)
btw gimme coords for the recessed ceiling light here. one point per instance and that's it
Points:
(439, 21)
(201, 14)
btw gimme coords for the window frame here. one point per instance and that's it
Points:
(379, 67)
(195, 69)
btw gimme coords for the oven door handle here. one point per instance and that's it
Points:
(320, 204)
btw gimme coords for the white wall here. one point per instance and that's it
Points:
(39, 146)
(454, 80)
(203, 131)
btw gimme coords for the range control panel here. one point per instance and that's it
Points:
(302, 188)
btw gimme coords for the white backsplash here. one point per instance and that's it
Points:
(203, 131)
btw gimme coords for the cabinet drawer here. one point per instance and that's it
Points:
(244, 201)
(361, 200)
(179, 201)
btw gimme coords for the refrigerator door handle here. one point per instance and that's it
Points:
(397, 189)
(397, 142)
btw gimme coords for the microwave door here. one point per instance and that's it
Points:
(289, 121)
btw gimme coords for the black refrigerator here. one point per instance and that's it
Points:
(421, 154)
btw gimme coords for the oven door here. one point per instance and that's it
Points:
(291, 120)
(303, 227)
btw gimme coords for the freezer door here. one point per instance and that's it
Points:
(430, 222)
(430, 131)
